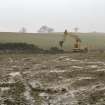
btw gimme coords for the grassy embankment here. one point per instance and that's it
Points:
(48, 40)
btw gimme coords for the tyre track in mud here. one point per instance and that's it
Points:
(63, 78)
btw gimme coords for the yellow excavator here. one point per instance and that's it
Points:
(77, 44)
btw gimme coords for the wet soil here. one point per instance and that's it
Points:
(60, 79)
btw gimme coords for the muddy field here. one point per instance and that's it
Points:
(61, 79)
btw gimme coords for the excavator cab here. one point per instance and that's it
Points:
(77, 44)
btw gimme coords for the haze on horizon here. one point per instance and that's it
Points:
(87, 15)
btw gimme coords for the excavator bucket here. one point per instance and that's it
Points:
(61, 43)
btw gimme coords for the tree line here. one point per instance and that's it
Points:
(44, 29)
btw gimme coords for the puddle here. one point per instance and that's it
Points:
(78, 67)
(84, 78)
(100, 70)
(5, 88)
(75, 60)
(57, 71)
(13, 74)
(93, 66)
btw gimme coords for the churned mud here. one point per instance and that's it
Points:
(61, 79)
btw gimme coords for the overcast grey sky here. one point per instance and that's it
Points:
(88, 15)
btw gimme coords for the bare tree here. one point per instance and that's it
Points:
(23, 30)
(50, 30)
(76, 29)
(45, 28)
